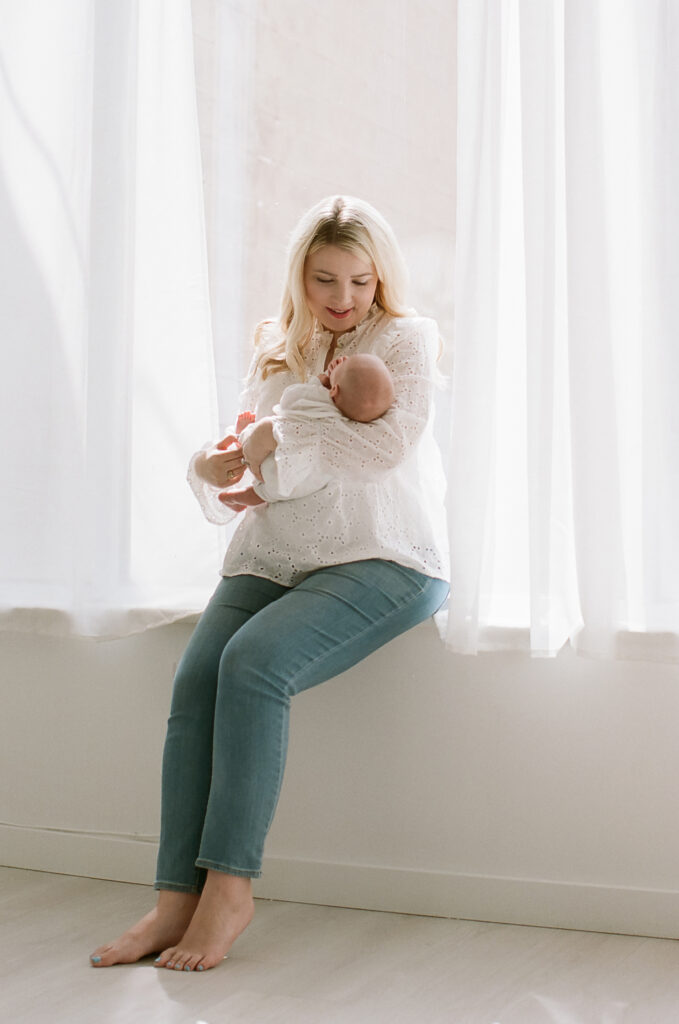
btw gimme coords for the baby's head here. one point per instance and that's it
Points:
(360, 386)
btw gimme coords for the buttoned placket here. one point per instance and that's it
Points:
(323, 339)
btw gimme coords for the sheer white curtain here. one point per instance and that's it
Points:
(107, 379)
(224, 37)
(564, 472)
(300, 100)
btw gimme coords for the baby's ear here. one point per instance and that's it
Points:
(334, 391)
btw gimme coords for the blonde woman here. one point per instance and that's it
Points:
(309, 586)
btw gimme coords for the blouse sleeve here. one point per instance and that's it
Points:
(357, 452)
(214, 510)
(271, 490)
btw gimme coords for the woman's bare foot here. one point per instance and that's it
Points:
(165, 924)
(225, 910)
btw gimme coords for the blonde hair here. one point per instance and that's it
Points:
(349, 224)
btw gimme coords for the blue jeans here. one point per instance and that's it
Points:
(256, 645)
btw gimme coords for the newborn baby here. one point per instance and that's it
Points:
(359, 387)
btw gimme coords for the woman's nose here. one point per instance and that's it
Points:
(342, 296)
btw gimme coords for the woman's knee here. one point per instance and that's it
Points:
(195, 680)
(255, 666)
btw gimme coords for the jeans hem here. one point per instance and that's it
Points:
(176, 887)
(226, 869)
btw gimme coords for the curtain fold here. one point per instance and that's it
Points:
(476, 289)
(567, 136)
(107, 376)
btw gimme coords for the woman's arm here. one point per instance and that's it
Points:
(210, 468)
(222, 464)
(210, 472)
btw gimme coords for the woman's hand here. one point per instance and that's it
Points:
(240, 498)
(223, 464)
(232, 502)
(259, 443)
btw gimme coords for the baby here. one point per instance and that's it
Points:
(359, 387)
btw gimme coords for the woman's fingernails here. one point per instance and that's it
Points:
(95, 959)
(187, 968)
(157, 960)
(200, 967)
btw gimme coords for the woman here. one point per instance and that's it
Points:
(309, 586)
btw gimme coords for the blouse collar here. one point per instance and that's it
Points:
(324, 334)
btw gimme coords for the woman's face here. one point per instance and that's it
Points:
(340, 287)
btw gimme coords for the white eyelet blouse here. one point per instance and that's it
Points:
(385, 498)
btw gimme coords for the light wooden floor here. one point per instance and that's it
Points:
(301, 964)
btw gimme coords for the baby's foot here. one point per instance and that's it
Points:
(224, 912)
(244, 420)
(163, 925)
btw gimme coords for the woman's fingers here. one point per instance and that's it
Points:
(226, 442)
(224, 467)
(227, 500)
(234, 475)
(246, 496)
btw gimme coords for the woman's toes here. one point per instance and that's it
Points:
(98, 958)
(211, 961)
(166, 958)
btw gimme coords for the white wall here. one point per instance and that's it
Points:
(495, 787)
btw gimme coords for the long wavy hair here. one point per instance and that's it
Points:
(349, 224)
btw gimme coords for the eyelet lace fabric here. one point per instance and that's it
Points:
(384, 495)
(302, 403)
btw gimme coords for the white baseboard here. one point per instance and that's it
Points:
(524, 901)
(120, 858)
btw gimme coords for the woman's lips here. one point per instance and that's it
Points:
(339, 316)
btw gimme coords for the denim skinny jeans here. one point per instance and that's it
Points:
(256, 645)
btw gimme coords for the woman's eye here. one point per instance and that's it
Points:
(324, 280)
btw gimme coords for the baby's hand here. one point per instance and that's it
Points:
(325, 377)
(244, 420)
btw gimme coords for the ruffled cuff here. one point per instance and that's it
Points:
(214, 510)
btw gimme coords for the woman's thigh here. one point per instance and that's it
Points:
(329, 622)
(235, 601)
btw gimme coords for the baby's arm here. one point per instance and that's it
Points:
(260, 445)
